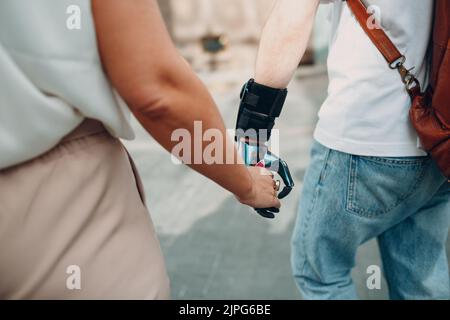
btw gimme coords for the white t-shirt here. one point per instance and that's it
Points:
(51, 78)
(367, 109)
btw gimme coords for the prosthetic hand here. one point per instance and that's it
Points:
(260, 106)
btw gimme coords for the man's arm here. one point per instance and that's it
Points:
(282, 45)
(284, 41)
(163, 92)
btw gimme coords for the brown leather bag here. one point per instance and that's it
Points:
(430, 111)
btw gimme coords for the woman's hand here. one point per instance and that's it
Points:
(263, 193)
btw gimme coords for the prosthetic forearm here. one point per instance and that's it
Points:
(260, 106)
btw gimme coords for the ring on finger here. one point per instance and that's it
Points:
(277, 185)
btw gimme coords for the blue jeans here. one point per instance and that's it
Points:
(348, 200)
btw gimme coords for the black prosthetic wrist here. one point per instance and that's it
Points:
(260, 106)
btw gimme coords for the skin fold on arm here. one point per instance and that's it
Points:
(161, 89)
(284, 41)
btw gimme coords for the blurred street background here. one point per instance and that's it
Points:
(214, 247)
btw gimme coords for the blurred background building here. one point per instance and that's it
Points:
(237, 24)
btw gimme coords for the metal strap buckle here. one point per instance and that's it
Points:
(397, 63)
(408, 77)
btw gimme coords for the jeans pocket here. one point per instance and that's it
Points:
(378, 185)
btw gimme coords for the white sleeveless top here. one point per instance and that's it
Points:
(51, 78)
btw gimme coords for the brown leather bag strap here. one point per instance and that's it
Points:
(378, 36)
(388, 49)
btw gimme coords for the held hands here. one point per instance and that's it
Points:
(263, 193)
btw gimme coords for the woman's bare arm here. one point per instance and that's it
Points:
(162, 91)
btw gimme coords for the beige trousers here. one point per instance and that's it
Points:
(73, 225)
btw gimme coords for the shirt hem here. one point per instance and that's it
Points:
(369, 149)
